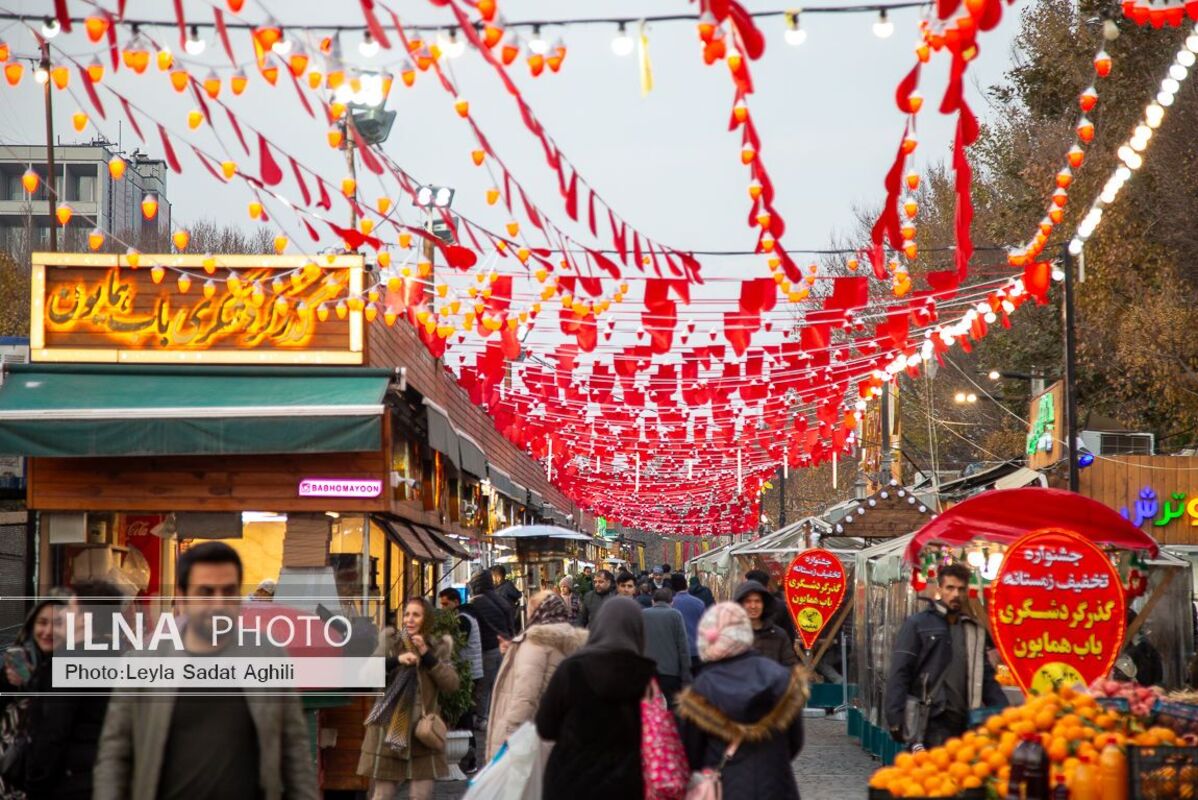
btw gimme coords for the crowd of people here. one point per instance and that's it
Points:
(575, 664)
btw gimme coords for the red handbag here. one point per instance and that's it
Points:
(666, 771)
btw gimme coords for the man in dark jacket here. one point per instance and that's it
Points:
(692, 609)
(505, 588)
(780, 616)
(494, 616)
(605, 588)
(768, 638)
(665, 643)
(940, 656)
(702, 592)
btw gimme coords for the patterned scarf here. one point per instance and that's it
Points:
(552, 609)
(397, 705)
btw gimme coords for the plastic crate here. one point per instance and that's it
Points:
(1181, 717)
(1119, 704)
(968, 794)
(1162, 773)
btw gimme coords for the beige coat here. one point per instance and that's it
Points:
(527, 667)
(382, 763)
(129, 762)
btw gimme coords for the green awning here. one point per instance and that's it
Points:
(125, 410)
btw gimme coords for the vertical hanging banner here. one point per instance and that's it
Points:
(1057, 611)
(814, 588)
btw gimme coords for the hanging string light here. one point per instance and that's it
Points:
(883, 27)
(622, 44)
(795, 35)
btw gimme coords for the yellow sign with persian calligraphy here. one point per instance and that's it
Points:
(231, 309)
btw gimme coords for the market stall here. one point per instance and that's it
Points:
(891, 577)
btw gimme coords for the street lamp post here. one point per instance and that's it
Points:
(364, 110)
(430, 198)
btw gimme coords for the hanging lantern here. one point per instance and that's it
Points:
(1102, 64)
(297, 62)
(910, 142)
(923, 52)
(335, 137)
(228, 169)
(255, 209)
(910, 250)
(157, 273)
(536, 64)
(462, 106)
(63, 213)
(907, 230)
(556, 56)
(95, 239)
(915, 101)
(180, 79)
(513, 228)
(912, 180)
(852, 264)
(280, 244)
(95, 70)
(5, 50)
(184, 282)
(477, 156)
(209, 289)
(132, 258)
(315, 79)
(165, 59)
(1088, 99)
(209, 264)
(149, 206)
(348, 186)
(1064, 178)
(136, 56)
(366, 225)
(238, 82)
(910, 207)
(707, 27)
(747, 154)
(212, 84)
(405, 240)
(96, 27)
(1085, 130)
(322, 312)
(1056, 215)
(30, 180)
(79, 121)
(754, 189)
(383, 204)
(1060, 197)
(492, 196)
(13, 72)
(194, 118)
(61, 76)
(181, 238)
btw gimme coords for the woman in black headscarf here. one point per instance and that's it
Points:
(591, 710)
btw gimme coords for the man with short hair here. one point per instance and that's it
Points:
(605, 588)
(939, 658)
(692, 609)
(625, 585)
(666, 643)
(644, 594)
(495, 628)
(779, 614)
(505, 588)
(585, 582)
(659, 579)
(171, 746)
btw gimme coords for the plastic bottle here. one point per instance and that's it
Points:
(1085, 781)
(1061, 790)
(1112, 773)
(1030, 771)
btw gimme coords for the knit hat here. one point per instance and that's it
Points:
(724, 632)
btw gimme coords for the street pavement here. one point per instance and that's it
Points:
(832, 766)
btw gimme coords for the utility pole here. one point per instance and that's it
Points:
(51, 184)
(782, 496)
(348, 144)
(1070, 368)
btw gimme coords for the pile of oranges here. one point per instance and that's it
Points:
(1071, 725)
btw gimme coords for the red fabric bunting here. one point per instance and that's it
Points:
(91, 92)
(268, 167)
(168, 151)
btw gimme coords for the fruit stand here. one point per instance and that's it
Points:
(891, 577)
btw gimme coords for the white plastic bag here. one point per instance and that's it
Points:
(516, 771)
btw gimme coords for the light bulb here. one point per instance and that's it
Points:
(194, 44)
(454, 47)
(50, 28)
(41, 75)
(1075, 249)
(794, 35)
(622, 44)
(283, 46)
(1170, 86)
(1177, 72)
(1164, 98)
(538, 44)
(368, 47)
(1192, 42)
(883, 28)
(1185, 58)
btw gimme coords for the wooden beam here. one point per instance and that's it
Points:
(828, 636)
(1157, 594)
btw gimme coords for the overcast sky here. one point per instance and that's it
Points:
(666, 162)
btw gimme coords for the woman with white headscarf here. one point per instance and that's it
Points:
(744, 711)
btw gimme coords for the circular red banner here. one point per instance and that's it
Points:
(814, 588)
(1057, 610)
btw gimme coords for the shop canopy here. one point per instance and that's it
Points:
(1003, 515)
(141, 410)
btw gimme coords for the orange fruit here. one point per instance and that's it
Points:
(967, 754)
(1058, 750)
(972, 782)
(959, 771)
(939, 758)
(981, 769)
(1044, 720)
(904, 760)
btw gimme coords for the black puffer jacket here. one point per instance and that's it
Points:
(753, 699)
(494, 614)
(64, 736)
(591, 710)
(769, 640)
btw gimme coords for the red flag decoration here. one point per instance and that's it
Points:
(814, 586)
(269, 168)
(168, 150)
(1057, 610)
